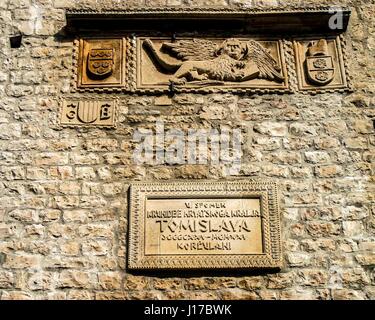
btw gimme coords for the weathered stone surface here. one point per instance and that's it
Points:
(347, 294)
(352, 228)
(80, 295)
(24, 215)
(13, 261)
(251, 283)
(41, 281)
(56, 295)
(78, 216)
(110, 280)
(63, 192)
(96, 247)
(238, 294)
(16, 295)
(314, 278)
(274, 129)
(135, 283)
(75, 279)
(85, 173)
(298, 259)
(70, 248)
(281, 281)
(303, 129)
(112, 295)
(167, 284)
(328, 171)
(366, 259)
(95, 231)
(297, 294)
(59, 262)
(356, 143)
(317, 157)
(6, 279)
(323, 229)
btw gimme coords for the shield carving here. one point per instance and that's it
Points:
(320, 69)
(100, 63)
(87, 111)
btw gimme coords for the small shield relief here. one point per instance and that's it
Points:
(100, 63)
(87, 111)
(320, 69)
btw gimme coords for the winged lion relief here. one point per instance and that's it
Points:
(204, 62)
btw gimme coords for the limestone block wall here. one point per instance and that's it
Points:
(63, 192)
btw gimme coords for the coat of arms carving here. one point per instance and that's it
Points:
(100, 63)
(319, 64)
(76, 112)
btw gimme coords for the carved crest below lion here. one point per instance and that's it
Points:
(193, 62)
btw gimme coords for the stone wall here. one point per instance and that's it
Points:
(63, 192)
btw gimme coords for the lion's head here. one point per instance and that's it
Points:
(233, 48)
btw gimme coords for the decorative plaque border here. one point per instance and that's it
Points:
(267, 191)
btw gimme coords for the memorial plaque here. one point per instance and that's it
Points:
(197, 225)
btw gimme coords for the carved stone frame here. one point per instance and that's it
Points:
(74, 125)
(267, 191)
(285, 51)
(266, 20)
(76, 81)
(341, 51)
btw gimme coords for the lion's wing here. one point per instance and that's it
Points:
(195, 49)
(266, 64)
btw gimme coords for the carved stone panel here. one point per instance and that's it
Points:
(197, 64)
(198, 225)
(77, 112)
(101, 63)
(320, 64)
(209, 50)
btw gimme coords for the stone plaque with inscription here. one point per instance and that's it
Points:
(197, 225)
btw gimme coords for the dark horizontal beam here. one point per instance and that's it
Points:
(292, 21)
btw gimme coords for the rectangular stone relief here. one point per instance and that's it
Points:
(209, 225)
(80, 112)
(204, 64)
(158, 51)
(101, 63)
(320, 64)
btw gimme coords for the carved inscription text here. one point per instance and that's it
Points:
(203, 226)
